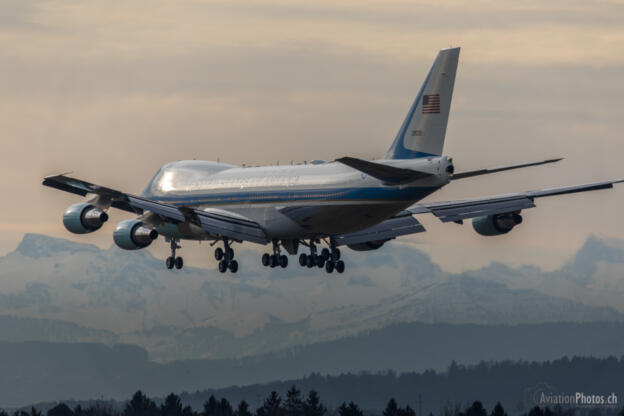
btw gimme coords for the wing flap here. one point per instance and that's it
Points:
(471, 209)
(168, 211)
(230, 227)
(401, 224)
(499, 204)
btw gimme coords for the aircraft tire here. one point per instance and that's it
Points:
(179, 263)
(335, 255)
(325, 254)
(329, 266)
(283, 261)
(169, 262)
(218, 253)
(303, 260)
(266, 259)
(340, 266)
(222, 266)
(233, 266)
(229, 254)
(320, 262)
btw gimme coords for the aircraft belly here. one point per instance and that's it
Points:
(334, 219)
(315, 220)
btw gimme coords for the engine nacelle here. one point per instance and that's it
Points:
(496, 224)
(133, 235)
(367, 246)
(84, 218)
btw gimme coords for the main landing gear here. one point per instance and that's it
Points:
(275, 259)
(225, 257)
(173, 261)
(328, 258)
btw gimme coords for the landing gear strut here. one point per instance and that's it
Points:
(275, 259)
(173, 261)
(334, 262)
(225, 256)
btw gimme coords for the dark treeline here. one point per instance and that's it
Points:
(294, 404)
(509, 382)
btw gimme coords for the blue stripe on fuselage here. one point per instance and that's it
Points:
(284, 196)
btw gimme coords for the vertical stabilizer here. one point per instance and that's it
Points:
(423, 130)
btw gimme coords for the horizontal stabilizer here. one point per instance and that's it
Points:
(469, 174)
(389, 175)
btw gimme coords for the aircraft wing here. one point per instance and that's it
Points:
(478, 207)
(401, 224)
(218, 225)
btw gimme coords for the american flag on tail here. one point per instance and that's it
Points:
(431, 104)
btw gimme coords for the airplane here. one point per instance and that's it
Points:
(348, 202)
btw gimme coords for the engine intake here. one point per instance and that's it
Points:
(496, 224)
(133, 235)
(84, 218)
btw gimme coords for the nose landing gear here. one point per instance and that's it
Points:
(173, 261)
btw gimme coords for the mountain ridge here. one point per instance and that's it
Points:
(129, 297)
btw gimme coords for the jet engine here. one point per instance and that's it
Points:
(133, 235)
(367, 246)
(84, 218)
(496, 224)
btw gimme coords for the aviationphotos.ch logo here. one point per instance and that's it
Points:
(544, 394)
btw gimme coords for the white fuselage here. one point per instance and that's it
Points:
(294, 200)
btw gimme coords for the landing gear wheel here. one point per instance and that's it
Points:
(320, 262)
(179, 263)
(303, 260)
(169, 262)
(325, 254)
(223, 266)
(274, 260)
(229, 254)
(311, 261)
(233, 266)
(335, 255)
(340, 266)
(218, 253)
(266, 259)
(283, 261)
(329, 266)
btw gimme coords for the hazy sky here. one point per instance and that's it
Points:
(111, 90)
